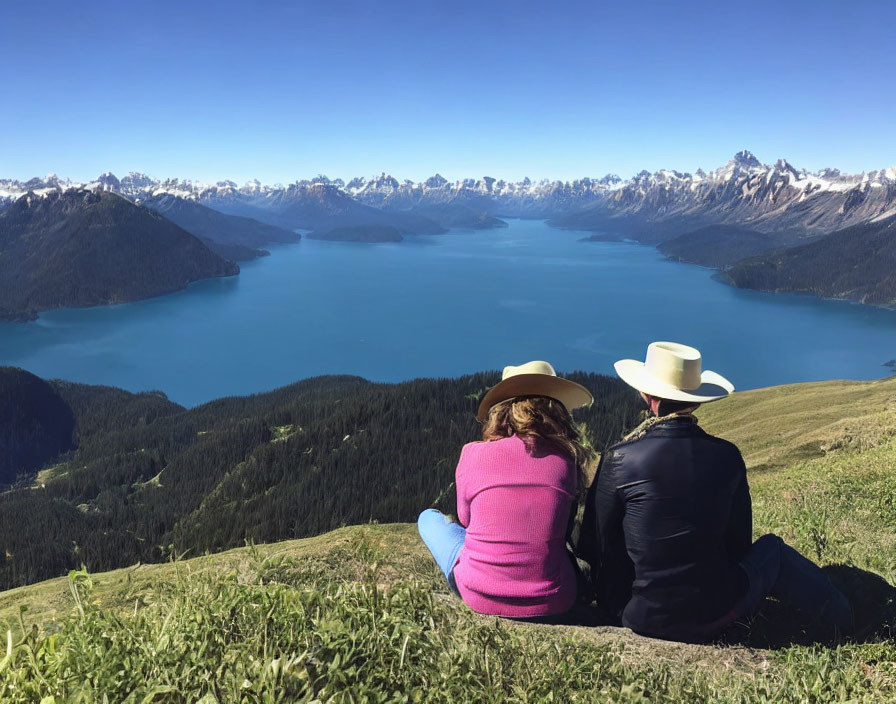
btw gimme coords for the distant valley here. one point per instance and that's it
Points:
(230, 236)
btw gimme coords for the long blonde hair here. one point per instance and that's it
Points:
(544, 425)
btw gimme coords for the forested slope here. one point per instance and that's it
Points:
(718, 246)
(857, 263)
(36, 425)
(231, 236)
(86, 248)
(149, 479)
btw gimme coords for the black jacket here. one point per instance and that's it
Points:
(666, 521)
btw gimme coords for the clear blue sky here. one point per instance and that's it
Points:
(285, 90)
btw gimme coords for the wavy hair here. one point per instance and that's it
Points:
(544, 425)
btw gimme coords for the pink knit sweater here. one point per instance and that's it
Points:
(515, 508)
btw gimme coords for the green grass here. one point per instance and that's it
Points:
(362, 614)
(776, 426)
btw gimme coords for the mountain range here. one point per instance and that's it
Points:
(746, 192)
(766, 198)
(717, 218)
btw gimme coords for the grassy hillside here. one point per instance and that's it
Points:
(361, 613)
(777, 426)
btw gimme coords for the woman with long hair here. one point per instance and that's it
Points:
(517, 493)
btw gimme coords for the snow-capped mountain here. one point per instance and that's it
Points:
(512, 199)
(769, 198)
(766, 198)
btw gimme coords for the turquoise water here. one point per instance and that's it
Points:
(444, 306)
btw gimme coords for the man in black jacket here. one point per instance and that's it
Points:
(667, 528)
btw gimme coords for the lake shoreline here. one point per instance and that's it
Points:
(444, 306)
(720, 273)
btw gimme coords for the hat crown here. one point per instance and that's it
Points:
(536, 367)
(536, 378)
(675, 364)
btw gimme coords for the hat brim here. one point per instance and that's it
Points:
(569, 393)
(713, 387)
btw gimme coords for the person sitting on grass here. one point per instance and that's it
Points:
(667, 527)
(516, 497)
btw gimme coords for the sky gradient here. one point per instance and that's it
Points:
(286, 90)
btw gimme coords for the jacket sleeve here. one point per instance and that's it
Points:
(609, 507)
(602, 544)
(587, 547)
(739, 532)
(616, 572)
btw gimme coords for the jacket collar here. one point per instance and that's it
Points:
(671, 421)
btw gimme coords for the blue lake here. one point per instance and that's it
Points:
(444, 306)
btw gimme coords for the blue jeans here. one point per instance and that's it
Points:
(445, 540)
(776, 569)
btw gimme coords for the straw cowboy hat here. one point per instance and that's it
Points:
(534, 379)
(674, 371)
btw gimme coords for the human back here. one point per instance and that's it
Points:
(517, 492)
(668, 521)
(516, 508)
(685, 521)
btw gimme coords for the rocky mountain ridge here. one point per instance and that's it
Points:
(766, 197)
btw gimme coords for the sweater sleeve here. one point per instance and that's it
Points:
(463, 497)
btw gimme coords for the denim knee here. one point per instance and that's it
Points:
(769, 542)
(426, 516)
(761, 564)
(763, 558)
(443, 538)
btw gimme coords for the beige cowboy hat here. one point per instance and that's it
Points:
(674, 371)
(534, 379)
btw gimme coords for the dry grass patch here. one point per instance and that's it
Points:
(776, 426)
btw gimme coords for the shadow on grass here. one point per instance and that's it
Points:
(775, 625)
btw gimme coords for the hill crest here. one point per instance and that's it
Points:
(363, 611)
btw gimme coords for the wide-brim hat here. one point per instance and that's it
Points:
(534, 379)
(674, 372)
